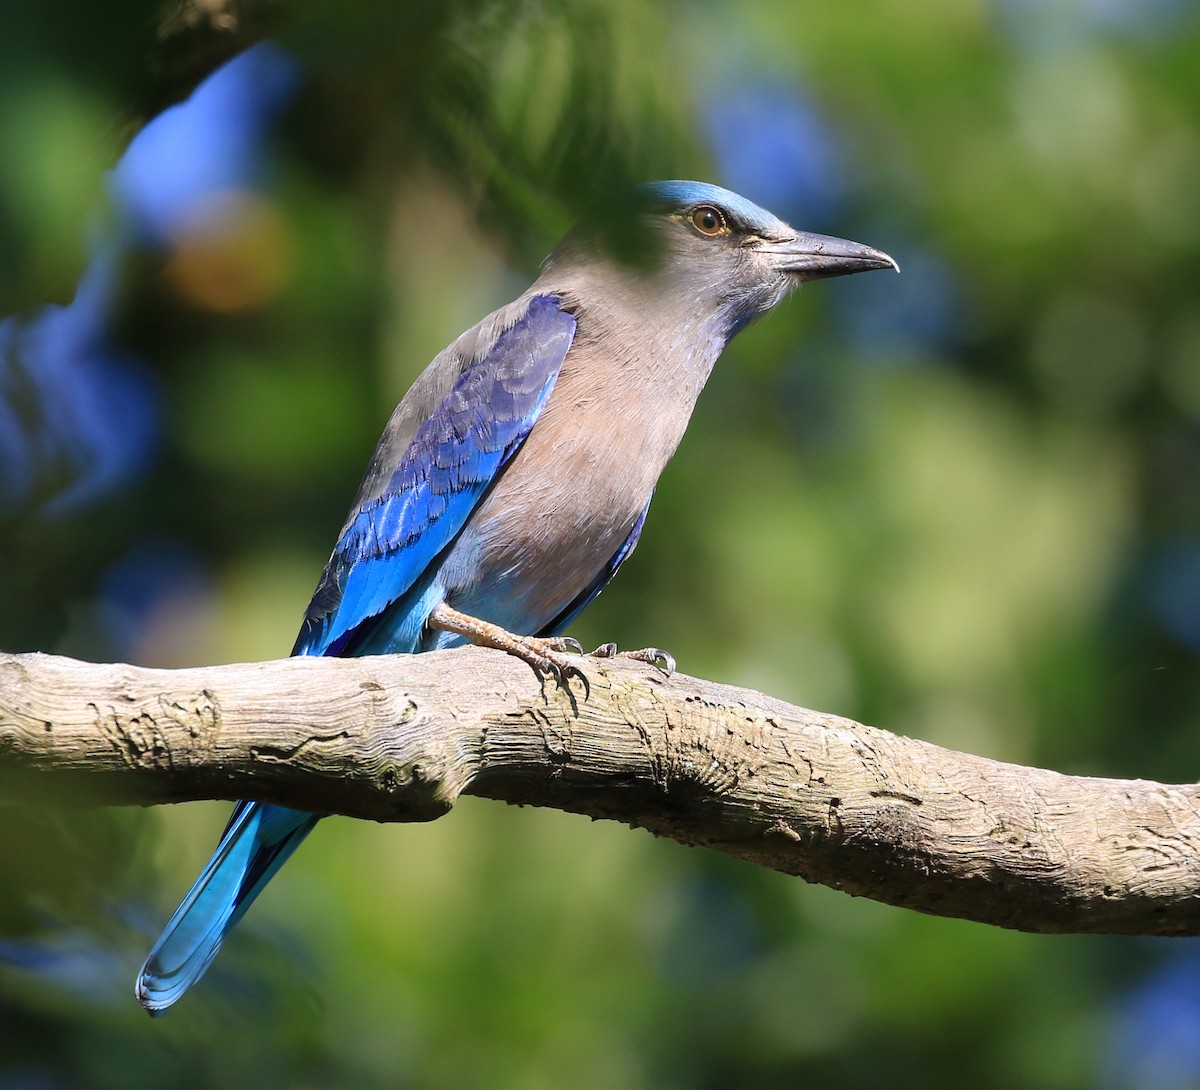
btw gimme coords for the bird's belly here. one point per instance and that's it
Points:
(562, 509)
(527, 563)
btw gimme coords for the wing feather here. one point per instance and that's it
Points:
(415, 501)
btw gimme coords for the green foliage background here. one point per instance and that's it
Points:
(971, 542)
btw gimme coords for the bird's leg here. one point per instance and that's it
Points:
(546, 656)
(655, 656)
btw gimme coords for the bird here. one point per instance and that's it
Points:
(515, 476)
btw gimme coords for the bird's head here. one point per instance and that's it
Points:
(688, 254)
(732, 255)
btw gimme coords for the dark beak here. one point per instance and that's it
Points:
(812, 257)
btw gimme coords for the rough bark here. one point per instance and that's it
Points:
(833, 801)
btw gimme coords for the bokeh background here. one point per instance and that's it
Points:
(962, 504)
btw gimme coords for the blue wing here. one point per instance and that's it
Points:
(447, 442)
(393, 540)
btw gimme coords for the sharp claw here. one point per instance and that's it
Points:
(575, 671)
(553, 666)
(661, 660)
(664, 660)
(566, 643)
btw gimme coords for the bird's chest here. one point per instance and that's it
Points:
(570, 497)
(579, 481)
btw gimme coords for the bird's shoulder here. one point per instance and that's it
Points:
(519, 340)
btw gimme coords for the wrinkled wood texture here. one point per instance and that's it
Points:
(814, 795)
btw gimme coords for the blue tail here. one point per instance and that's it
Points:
(257, 841)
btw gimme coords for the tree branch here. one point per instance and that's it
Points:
(400, 738)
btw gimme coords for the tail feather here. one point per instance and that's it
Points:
(257, 841)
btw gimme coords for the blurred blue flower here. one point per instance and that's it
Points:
(31, 1076)
(134, 588)
(1154, 1043)
(715, 935)
(77, 417)
(1173, 573)
(904, 320)
(774, 146)
(72, 957)
(210, 143)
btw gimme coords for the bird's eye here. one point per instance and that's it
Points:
(709, 221)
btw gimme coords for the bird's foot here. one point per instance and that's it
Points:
(661, 660)
(548, 656)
